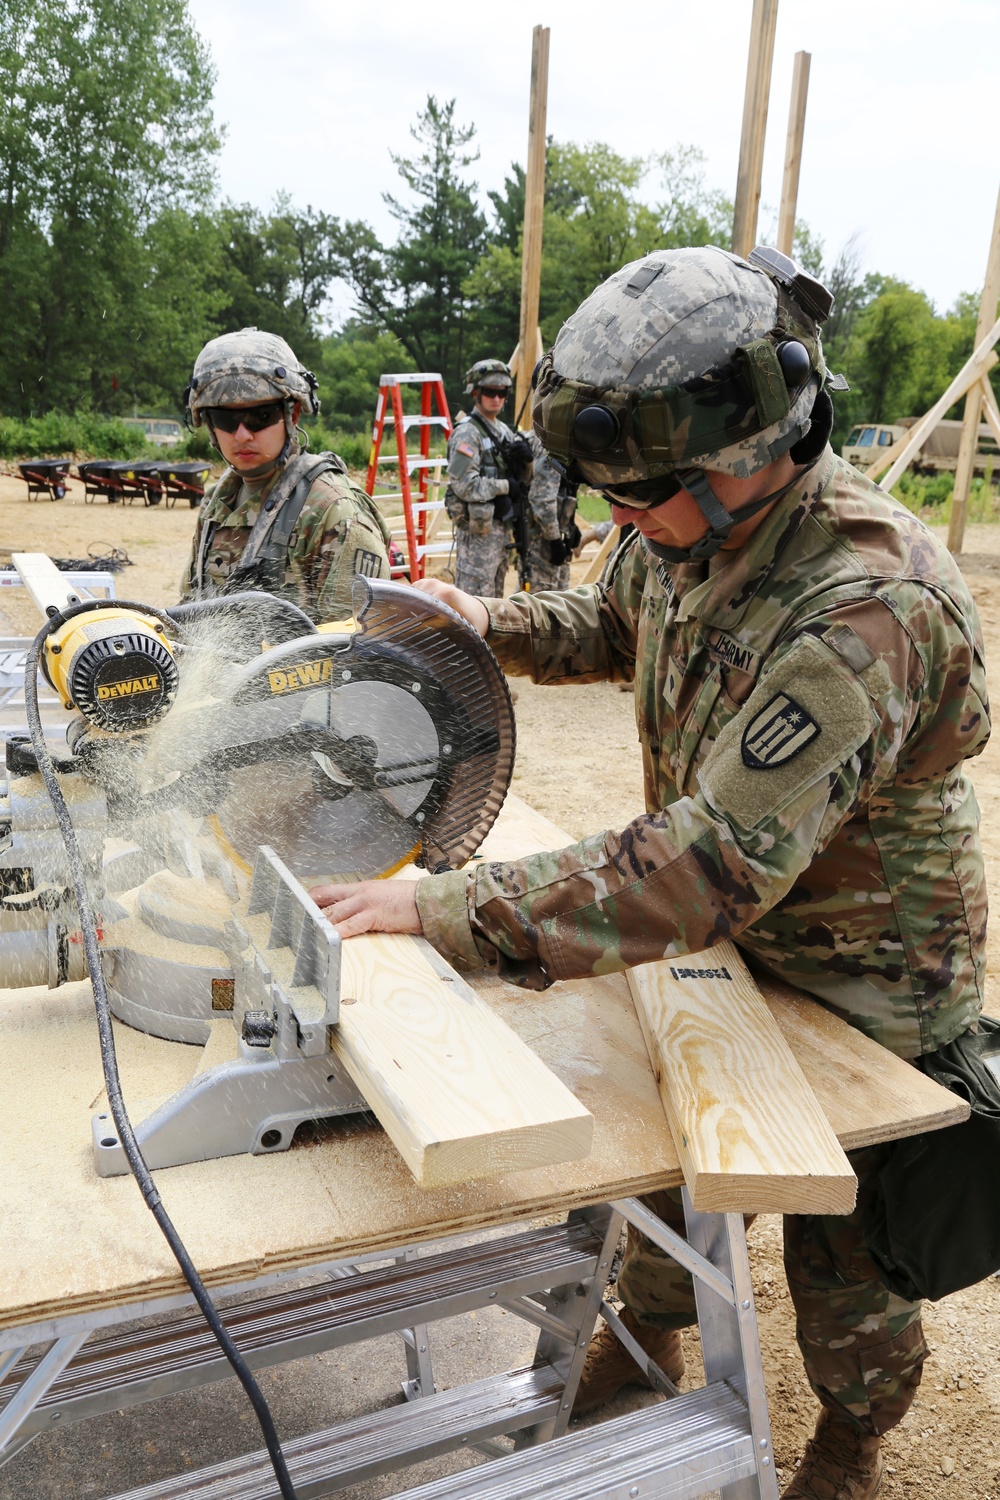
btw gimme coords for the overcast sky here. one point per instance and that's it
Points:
(901, 141)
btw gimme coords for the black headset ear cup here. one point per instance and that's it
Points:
(816, 439)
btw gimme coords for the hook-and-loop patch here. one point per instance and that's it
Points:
(807, 716)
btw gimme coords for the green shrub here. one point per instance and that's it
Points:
(930, 496)
(86, 436)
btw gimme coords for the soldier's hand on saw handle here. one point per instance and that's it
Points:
(466, 605)
(369, 906)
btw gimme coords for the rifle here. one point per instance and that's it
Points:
(519, 463)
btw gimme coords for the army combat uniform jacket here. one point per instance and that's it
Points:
(339, 532)
(476, 479)
(550, 516)
(805, 705)
(477, 474)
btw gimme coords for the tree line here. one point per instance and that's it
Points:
(117, 260)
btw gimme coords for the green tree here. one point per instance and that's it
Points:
(105, 124)
(414, 288)
(275, 271)
(597, 218)
(349, 367)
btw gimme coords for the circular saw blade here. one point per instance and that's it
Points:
(397, 744)
(308, 806)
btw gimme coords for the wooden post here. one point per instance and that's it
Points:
(974, 400)
(534, 207)
(793, 152)
(762, 25)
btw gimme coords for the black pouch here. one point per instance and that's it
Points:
(931, 1216)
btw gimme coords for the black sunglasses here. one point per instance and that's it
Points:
(494, 390)
(254, 418)
(644, 494)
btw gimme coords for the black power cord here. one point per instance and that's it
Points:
(109, 1063)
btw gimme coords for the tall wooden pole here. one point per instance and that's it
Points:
(793, 152)
(534, 208)
(762, 26)
(974, 399)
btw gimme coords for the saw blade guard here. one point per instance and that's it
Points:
(372, 749)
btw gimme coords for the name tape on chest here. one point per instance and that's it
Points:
(777, 734)
(734, 653)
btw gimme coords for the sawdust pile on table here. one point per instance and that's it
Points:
(578, 763)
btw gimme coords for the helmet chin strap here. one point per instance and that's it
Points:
(721, 522)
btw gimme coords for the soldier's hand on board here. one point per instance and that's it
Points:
(369, 906)
(466, 605)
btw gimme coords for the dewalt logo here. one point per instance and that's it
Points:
(305, 675)
(129, 687)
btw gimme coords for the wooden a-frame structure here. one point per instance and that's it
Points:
(972, 382)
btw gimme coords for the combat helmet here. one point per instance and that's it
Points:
(247, 367)
(489, 372)
(686, 361)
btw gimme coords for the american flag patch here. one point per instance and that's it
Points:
(467, 449)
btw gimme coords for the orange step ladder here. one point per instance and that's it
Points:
(417, 528)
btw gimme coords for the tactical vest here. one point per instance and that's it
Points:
(494, 460)
(264, 559)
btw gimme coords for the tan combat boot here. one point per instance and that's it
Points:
(609, 1366)
(840, 1463)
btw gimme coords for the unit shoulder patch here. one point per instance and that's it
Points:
(777, 734)
(369, 564)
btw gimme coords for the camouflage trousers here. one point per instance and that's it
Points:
(863, 1347)
(542, 573)
(481, 562)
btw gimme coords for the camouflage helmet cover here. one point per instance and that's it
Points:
(492, 370)
(681, 351)
(239, 369)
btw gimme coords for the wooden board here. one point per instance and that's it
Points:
(855, 1079)
(749, 1131)
(807, 1052)
(458, 1092)
(599, 561)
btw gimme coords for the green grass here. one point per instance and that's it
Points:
(592, 506)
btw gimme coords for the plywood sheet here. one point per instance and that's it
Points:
(77, 1244)
(748, 1128)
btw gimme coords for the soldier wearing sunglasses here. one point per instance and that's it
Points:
(280, 519)
(809, 682)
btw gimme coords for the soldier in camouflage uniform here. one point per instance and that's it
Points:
(280, 518)
(809, 683)
(478, 498)
(552, 529)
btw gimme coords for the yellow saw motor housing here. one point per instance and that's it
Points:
(114, 665)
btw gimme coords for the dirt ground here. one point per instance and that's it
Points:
(578, 762)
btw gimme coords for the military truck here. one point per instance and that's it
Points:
(938, 454)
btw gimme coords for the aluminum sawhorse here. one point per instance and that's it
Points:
(714, 1438)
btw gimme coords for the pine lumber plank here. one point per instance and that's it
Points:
(599, 561)
(459, 1093)
(749, 1131)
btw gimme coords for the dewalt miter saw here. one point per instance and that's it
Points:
(223, 755)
